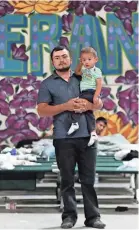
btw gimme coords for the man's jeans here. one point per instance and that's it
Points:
(68, 153)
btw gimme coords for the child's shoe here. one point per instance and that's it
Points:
(73, 128)
(93, 138)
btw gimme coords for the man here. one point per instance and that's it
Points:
(58, 95)
(101, 123)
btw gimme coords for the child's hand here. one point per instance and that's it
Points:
(80, 62)
(95, 99)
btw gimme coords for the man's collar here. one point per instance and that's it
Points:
(57, 76)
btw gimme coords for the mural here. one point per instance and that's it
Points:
(29, 30)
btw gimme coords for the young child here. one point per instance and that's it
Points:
(90, 87)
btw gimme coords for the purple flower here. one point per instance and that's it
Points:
(67, 22)
(6, 87)
(19, 53)
(5, 8)
(64, 41)
(123, 10)
(10, 80)
(128, 101)
(131, 77)
(89, 6)
(6, 84)
(24, 99)
(128, 26)
(108, 104)
(20, 120)
(45, 123)
(30, 81)
(24, 135)
(4, 108)
(5, 133)
(125, 14)
(114, 5)
(2, 95)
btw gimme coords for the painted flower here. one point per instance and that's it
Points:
(4, 108)
(30, 81)
(19, 53)
(42, 7)
(20, 120)
(108, 103)
(25, 99)
(123, 10)
(88, 6)
(64, 41)
(126, 9)
(115, 125)
(5, 8)
(131, 77)
(67, 22)
(5, 133)
(24, 134)
(45, 123)
(2, 95)
(6, 87)
(10, 80)
(120, 5)
(128, 101)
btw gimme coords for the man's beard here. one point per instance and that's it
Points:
(65, 69)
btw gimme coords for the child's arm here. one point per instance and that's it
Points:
(98, 89)
(98, 86)
(78, 69)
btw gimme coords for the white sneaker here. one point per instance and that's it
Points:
(93, 138)
(73, 128)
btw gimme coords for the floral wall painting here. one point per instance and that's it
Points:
(29, 30)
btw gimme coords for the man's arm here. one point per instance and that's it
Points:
(86, 105)
(44, 109)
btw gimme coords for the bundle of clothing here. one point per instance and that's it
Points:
(109, 145)
(27, 152)
(129, 156)
(118, 146)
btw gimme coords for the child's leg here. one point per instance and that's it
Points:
(91, 127)
(75, 125)
(91, 123)
(93, 138)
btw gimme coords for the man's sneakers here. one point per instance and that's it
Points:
(73, 128)
(95, 223)
(68, 223)
(93, 138)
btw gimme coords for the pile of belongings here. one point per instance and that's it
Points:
(26, 153)
(118, 146)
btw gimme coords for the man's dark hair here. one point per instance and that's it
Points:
(58, 48)
(102, 119)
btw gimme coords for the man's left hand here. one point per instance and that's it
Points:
(84, 105)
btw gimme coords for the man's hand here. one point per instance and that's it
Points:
(79, 105)
(72, 104)
(85, 105)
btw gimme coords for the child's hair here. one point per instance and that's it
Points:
(89, 50)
